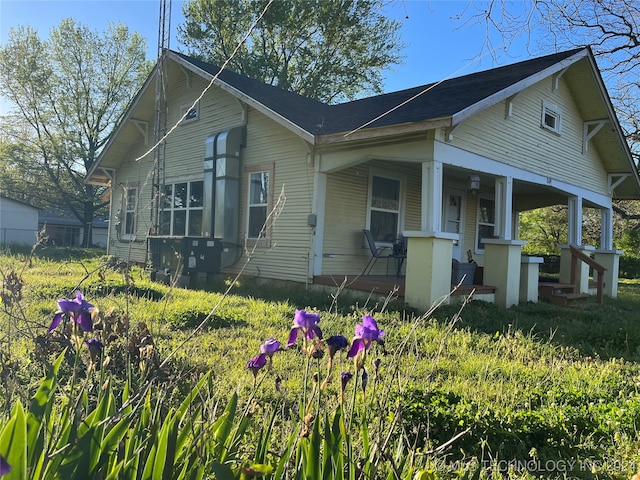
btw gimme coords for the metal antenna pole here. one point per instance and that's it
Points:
(160, 115)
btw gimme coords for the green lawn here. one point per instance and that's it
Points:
(529, 391)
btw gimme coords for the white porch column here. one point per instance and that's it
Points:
(502, 269)
(504, 207)
(431, 208)
(575, 220)
(606, 229)
(428, 277)
(529, 273)
(609, 259)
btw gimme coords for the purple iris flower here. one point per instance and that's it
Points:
(95, 346)
(336, 343)
(256, 363)
(364, 378)
(344, 379)
(4, 466)
(307, 323)
(270, 346)
(366, 332)
(77, 309)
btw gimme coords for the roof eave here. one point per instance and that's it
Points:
(98, 180)
(243, 97)
(380, 132)
(615, 122)
(515, 88)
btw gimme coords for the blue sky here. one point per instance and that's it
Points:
(438, 45)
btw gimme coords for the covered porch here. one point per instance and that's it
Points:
(455, 216)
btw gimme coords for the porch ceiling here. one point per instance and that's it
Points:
(526, 195)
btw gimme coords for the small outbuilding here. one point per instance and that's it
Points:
(18, 222)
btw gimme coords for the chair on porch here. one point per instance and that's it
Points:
(381, 252)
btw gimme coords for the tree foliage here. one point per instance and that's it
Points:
(68, 94)
(330, 50)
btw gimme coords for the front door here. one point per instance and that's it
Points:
(454, 218)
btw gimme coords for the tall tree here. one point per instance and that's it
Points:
(68, 93)
(330, 50)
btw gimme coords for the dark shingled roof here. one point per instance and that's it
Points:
(443, 99)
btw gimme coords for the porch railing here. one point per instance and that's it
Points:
(577, 255)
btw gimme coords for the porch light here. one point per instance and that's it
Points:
(474, 183)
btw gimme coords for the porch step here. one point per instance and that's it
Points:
(559, 293)
(563, 299)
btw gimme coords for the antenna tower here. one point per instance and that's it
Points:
(160, 115)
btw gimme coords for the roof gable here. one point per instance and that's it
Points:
(442, 104)
(434, 101)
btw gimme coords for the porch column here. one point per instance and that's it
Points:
(606, 229)
(529, 273)
(582, 275)
(574, 215)
(431, 208)
(504, 207)
(428, 277)
(609, 259)
(502, 269)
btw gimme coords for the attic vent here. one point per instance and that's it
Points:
(551, 117)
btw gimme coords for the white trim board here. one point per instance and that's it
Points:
(450, 155)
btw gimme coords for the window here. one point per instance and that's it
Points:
(193, 112)
(486, 221)
(258, 203)
(551, 117)
(384, 208)
(182, 209)
(130, 202)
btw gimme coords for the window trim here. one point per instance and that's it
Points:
(268, 168)
(477, 248)
(130, 187)
(187, 209)
(401, 201)
(188, 107)
(549, 109)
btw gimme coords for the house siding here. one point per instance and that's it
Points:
(287, 255)
(266, 144)
(138, 174)
(521, 142)
(345, 249)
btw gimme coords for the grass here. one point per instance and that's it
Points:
(534, 383)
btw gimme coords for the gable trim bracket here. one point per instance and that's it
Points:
(143, 127)
(556, 79)
(616, 179)
(448, 132)
(509, 106)
(589, 130)
(187, 75)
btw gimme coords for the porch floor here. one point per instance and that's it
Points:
(383, 284)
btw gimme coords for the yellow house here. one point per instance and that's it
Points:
(220, 173)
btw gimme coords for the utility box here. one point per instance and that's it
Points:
(165, 253)
(460, 270)
(185, 255)
(202, 254)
